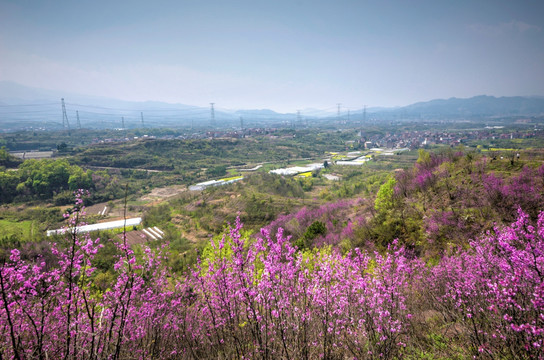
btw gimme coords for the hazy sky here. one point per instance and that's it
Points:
(283, 55)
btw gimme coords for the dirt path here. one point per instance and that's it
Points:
(119, 168)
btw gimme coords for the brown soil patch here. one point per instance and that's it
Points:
(158, 194)
(114, 213)
(97, 208)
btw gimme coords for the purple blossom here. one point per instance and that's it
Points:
(261, 298)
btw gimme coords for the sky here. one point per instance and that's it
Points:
(275, 54)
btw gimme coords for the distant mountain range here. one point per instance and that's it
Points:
(479, 106)
(23, 107)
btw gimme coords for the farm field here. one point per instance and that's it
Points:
(16, 228)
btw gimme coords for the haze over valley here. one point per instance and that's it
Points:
(27, 108)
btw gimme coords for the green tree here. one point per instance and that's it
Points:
(424, 157)
(44, 178)
(217, 171)
(313, 231)
(384, 199)
(8, 186)
(62, 147)
(7, 160)
(79, 179)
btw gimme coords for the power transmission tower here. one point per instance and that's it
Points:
(299, 118)
(65, 123)
(241, 123)
(364, 113)
(338, 113)
(78, 123)
(212, 115)
(123, 125)
(142, 117)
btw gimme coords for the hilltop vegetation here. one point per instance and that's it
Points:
(261, 297)
(449, 198)
(54, 180)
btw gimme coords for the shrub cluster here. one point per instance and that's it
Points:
(263, 298)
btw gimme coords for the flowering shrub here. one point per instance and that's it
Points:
(526, 190)
(54, 310)
(456, 200)
(270, 301)
(496, 288)
(335, 216)
(261, 298)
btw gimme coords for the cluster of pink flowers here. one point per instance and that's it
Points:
(526, 190)
(262, 298)
(266, 300)
(335, 216)
(251, 298)
(496, 289)
(457, 199)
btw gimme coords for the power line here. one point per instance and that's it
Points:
(188, 110)
(28, 112)
(110, 115)
(173, 108)
(46, 104)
